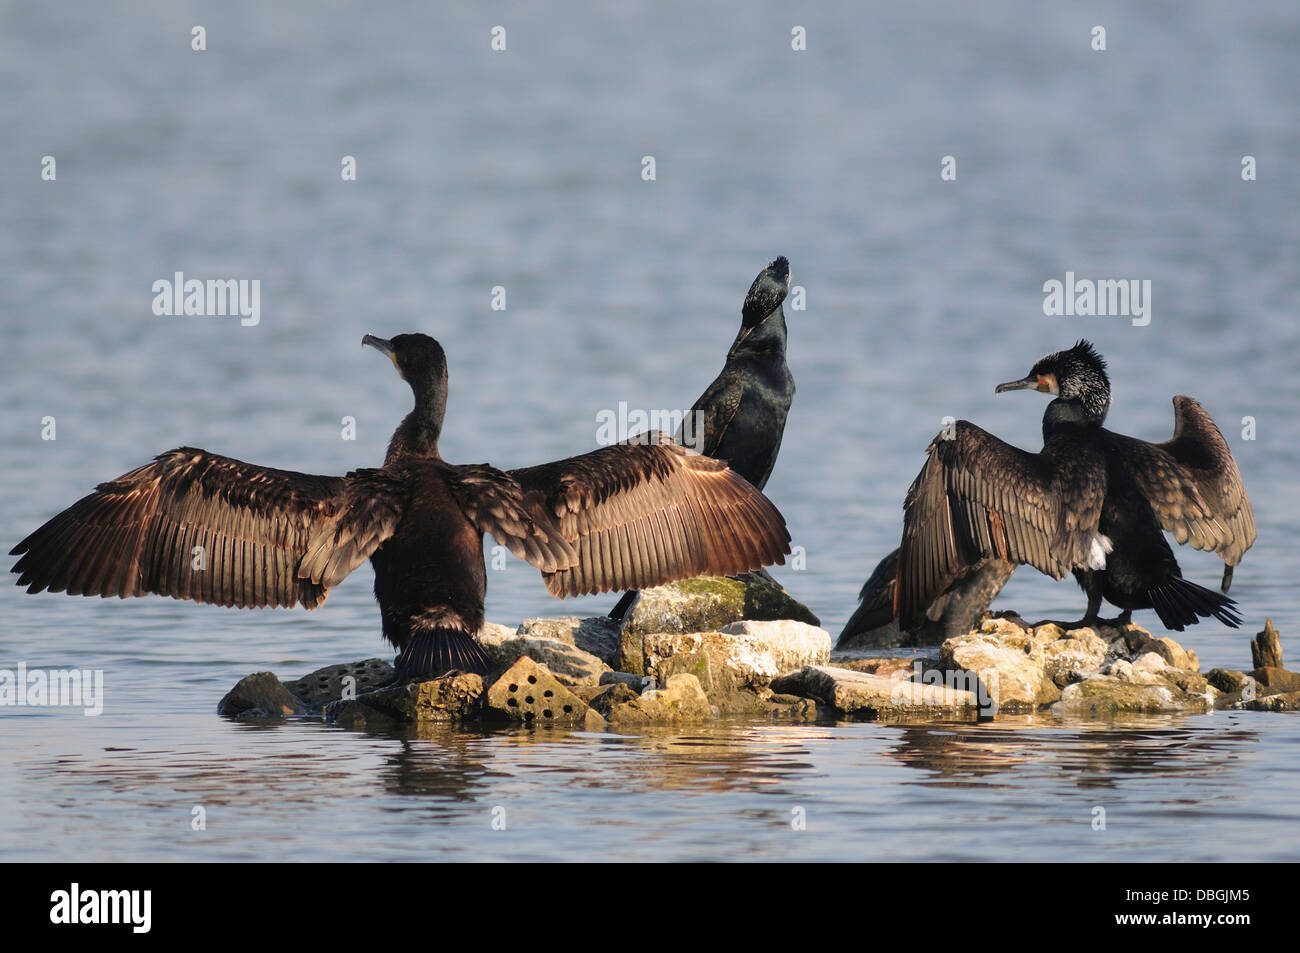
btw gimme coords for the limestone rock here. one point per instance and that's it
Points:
(681, 700)
(1108, 695)
(1078, 654)
(1226, 679)
(260, 695)
(863, 695)
(317, 689)
(632, 681)
(1283, 701)
(493, 634)
(568, 663)
(1009, 661)
(454, 698)
(791, 643)
(1275, 680)
(731, 668)
(529, 693)
(710, 602)
(596, 635)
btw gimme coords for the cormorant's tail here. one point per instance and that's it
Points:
(1181, 603)
(1227, 578)
(434, 653)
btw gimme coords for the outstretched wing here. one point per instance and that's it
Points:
(978, 496)
(641, 515)
(1193, 484)
(494, 501)
(195, 525)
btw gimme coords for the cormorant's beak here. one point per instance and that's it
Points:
(383, 347)
(379, 344)
(1025, 383)
(1040, 382)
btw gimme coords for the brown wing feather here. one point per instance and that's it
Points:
(494, 501)
(1192, 483)
(267, 537)
(978, 497)
(641, 515)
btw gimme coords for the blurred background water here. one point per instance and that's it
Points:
(523, 169)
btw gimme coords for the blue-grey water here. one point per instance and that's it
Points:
(522, 169)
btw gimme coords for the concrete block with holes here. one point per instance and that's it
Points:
(530, 694)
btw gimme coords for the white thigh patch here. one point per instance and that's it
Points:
(1101, 545)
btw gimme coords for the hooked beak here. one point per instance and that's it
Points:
(383, 347)
(1046, 383)
(1025, 383)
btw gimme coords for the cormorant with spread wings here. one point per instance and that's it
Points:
(195, 525)
(1092, 503)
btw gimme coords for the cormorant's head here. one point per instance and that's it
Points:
(417, 357)
(766, 293)
(1078, 374)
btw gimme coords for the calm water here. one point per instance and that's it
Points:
(523, 169)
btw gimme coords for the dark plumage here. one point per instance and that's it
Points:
(1092, 503)
(194, 525)
(740, 417)
(955, 611)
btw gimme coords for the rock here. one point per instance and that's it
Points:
(530, 694)
(261, 692)
(730, 668)
(1107, 695)
(596, 635)
(791, 643)
(568, 663)
(889, 666)
(793, 708)
(1226, 680)
(1284, 701)
(1078, 654)
(454, 698)
(1009, 661)
(1266, 648)
(1169, 650)
(631, 680)
(1275, 680)
(317, 689)
(733, 665)
(493, 634)
(707, 604)
(863, 695)
(681, 700)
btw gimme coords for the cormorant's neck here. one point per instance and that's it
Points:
(1073, 413)
(417, 435)
(767, 337)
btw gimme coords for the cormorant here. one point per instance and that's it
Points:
(194, 525)
(740, 417)
(1092, 502)
(954, 612)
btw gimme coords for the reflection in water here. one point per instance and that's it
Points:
(1088, 755)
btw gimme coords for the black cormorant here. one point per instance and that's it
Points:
(1093, 502)
(194, 525)
(740, 417)
(954, 612)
